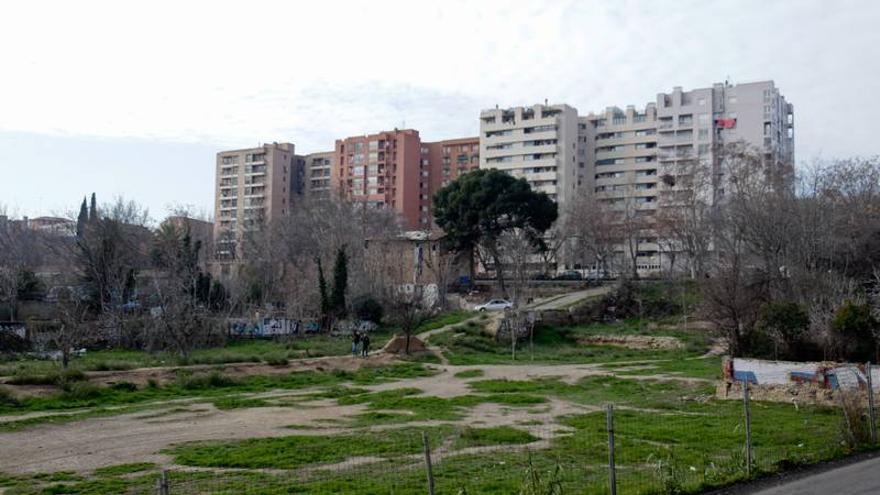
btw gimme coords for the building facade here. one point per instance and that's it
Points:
(538, 143)
(396, 170)
(316, 170)
(253, 186)
(637, 156)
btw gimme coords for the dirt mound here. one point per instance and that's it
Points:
(634, 341)
(397, 345)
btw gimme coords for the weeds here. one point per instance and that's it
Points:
(275, 359)
(54, 377)
(7, 398)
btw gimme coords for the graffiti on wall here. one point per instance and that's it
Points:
(265, 327)
(844, 376)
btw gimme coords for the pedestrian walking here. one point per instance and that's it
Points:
(365, 345)
(355, 339)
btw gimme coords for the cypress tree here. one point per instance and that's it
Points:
(340, 283)
(82, 218)
(93, 209)
(322, 288)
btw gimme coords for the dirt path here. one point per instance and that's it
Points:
(437, 351)
(567, 300)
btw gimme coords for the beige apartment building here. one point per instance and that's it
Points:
(537, 143)
(254, 185)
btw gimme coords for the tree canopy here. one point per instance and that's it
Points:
(484, 203)
(480, 206)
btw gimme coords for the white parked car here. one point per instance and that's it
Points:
(494, 305)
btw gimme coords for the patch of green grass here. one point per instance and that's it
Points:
(469, 374)
(296, 451)
(708, 368)
(439, 321)
(499, 435)
(472, 346)
(593, 390)
(238, 402)
(106, 400)
(57, 376)
(125, 469)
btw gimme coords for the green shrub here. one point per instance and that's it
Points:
(7, 398)
(275, 359)
(152, 383)
(214, 379)
(779, 333)
(854, 327)
(80, 391)
(112, 366)
(124, 386)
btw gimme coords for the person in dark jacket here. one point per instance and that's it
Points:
(365, 345)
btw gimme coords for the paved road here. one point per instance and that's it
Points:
(861, 478)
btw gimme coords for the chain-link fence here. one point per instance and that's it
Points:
(687, 447)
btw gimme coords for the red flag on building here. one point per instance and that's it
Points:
(725, 123)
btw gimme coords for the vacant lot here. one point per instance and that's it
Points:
(336, 424)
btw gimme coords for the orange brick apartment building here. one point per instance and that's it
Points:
(395, 169)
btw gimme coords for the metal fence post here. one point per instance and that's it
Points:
(428, 467)
(162, 484)
(871, 412)
(748, 417)
(609, 424)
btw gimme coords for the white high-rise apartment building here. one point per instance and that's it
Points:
(629, 152)
(538, 143)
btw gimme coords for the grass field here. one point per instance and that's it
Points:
(491, 430)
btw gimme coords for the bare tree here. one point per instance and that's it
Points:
(21, 251)
(408, 311)
(683, 223)
(73, 324)
(518, 250)
(179, 314)
(441, 261)
(278, 258)
(109, 254)
(591, 234)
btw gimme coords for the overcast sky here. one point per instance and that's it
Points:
(135, 98)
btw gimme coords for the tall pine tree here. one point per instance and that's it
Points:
(340, 283)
